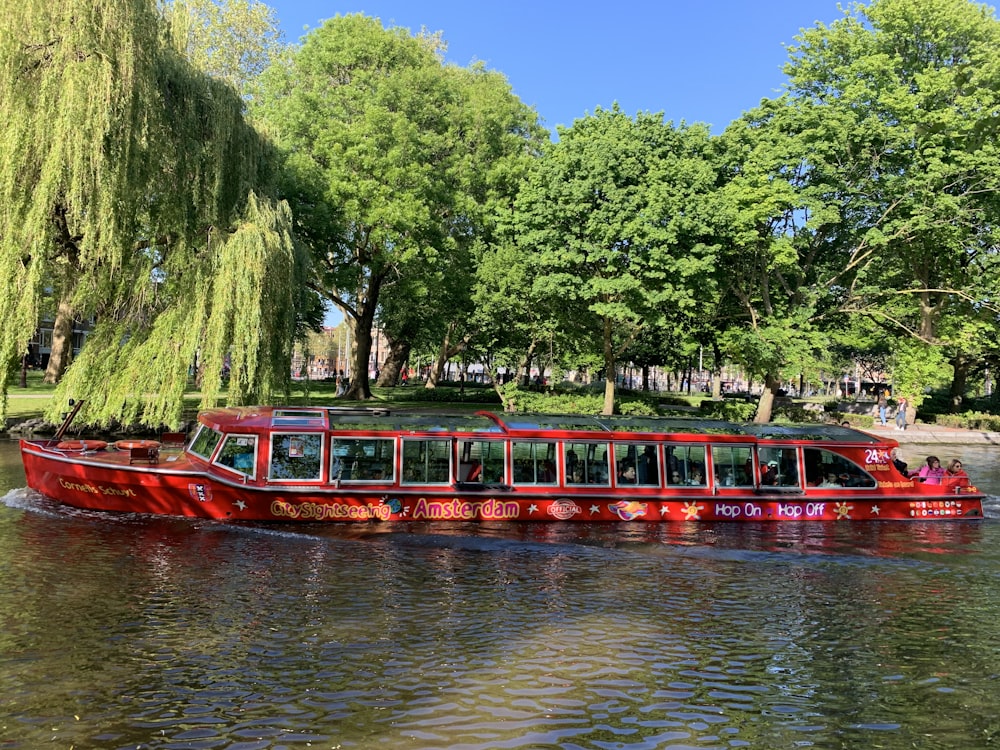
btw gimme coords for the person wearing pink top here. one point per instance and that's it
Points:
(931, 472)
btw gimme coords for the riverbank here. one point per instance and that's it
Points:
(933, 434)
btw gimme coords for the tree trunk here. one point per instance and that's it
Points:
(399, 352)
(62, 343)
(361, 349)
(765, 406)
(609, 371)
(716, 371)
(959, 381)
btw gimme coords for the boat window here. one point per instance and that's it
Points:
(296, 456)
(363, 460)
(831, 470)
(637, 464)
(205, 442)
(586, 463)
(239, 453)
(686, 465)
(481, 461)
(779, 467)
(426, 461)
(733, 465)
(534, 463)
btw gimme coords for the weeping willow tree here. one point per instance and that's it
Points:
(134, 191)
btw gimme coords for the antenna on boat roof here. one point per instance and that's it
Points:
(67, 419)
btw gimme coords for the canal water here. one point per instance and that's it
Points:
(138, 632)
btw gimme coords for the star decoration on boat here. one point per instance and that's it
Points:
(664, 509)
(532, 509)
(240, 504)
(876, 510)
(594, 510)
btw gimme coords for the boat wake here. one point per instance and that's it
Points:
(24, 498)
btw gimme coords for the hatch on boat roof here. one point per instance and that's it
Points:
(298, 418)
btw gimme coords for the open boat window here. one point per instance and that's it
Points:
(534, 463)
(239, 453)
(296, 457)
(832, 471)
(482, 461)
(362, 460)
(637, 464)
(426, 461)
(686, 465)
(205, 442)
(733, 465)
(587, 463)
(779, 467)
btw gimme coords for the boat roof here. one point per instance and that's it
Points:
(366, 419)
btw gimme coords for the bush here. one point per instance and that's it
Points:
(420, 394)
(858, 421)
(729, 409)
(971, 420)
(798, 413)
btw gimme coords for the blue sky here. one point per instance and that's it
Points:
(694, 60)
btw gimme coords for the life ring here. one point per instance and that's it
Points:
(126, 445)
(81, 445)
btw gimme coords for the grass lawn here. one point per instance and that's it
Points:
(31, 402)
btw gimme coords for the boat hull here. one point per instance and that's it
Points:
(180, 486)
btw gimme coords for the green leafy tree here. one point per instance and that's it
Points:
(232, 40)
(903, 96)
(382, 140)
(128, 185)
(610, 217)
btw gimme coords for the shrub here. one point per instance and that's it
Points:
(858, 421)
(729, 409)
(971, 420)
(797, 413)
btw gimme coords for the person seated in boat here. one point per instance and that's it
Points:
(931, 472)
(748, 472)
(648, 473)
(627, 474)
(697, 478)
(954, 475)
(675, 477)
(899, 463)
(830, 480)
(770, 474)
(726, 479)
(548, 472)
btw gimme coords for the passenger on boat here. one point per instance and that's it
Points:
(770, 474)
(898, 462)
(648, 473)
(931, 472)
(697, 478)
(954, 475)
(830, 481)
(626, 475)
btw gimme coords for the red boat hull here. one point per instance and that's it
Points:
(180, 485)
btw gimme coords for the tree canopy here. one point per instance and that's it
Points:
(127, 172)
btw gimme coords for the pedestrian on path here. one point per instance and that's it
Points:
(901, 413)
(883, 406)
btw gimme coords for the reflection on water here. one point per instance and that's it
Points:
(121, 632)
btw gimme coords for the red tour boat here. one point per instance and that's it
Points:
(332, 464)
